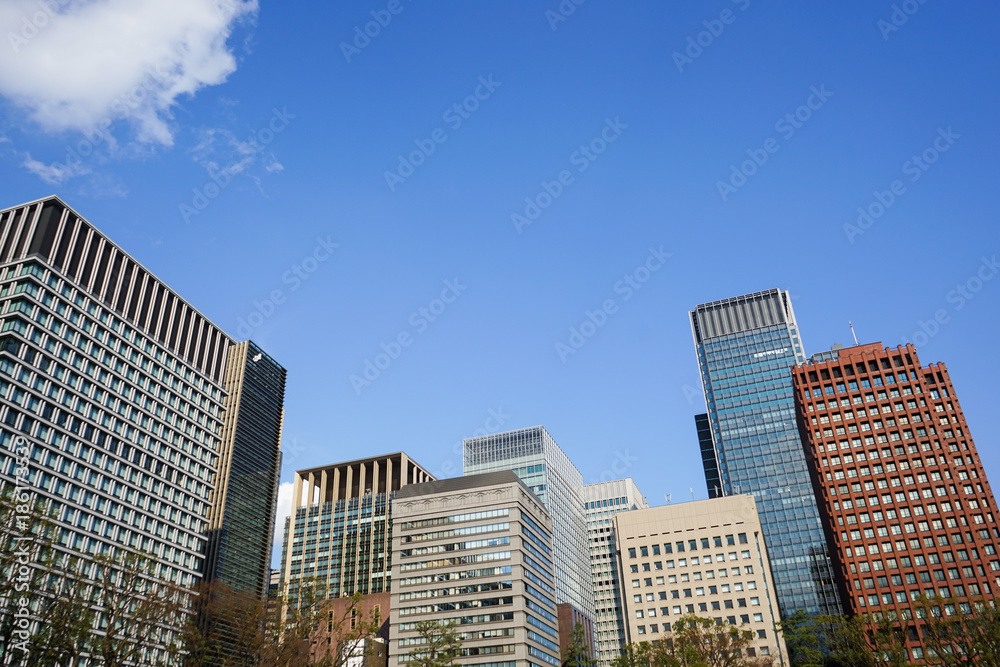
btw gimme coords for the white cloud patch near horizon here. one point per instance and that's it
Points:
(83, 65)
(283, 510)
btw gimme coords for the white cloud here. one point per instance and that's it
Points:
(54, 173)
(84, 64)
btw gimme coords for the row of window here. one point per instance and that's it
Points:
(606, 502)
(688, 545)
(744, 619)
(457, 532)
(454, 518)
(704, 606)
(458, 590)
(712, 590)
(456, 576)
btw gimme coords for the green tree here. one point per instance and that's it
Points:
(66, 620)
(807, 639)
(696, 642)
(439, 646)
(645, 654)
(578, 653)
(701, 642)
(140, 617)
(959, 633)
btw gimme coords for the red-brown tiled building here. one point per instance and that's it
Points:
(901, 489)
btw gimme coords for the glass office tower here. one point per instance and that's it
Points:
(536, 458)
(746, 348)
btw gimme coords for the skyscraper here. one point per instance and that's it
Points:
(601, 502)
(536, 458)
(340, 527)
(117, 387)
(239, 552)
(746, 348)
(475, 551)
(904, 496)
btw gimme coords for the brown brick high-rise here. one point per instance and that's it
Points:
(902, 492)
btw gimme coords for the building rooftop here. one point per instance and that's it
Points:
(459, 484)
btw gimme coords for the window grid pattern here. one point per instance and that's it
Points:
(539, 462)
(905, 498)
(746, 348)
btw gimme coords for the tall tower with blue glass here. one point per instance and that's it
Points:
(746, 348)
(543, 466)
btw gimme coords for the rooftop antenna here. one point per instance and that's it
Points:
(692, 493)
(852, 332)
(668, 497)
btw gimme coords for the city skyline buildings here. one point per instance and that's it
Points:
(544, 467)
(746, 346)
(117, 385)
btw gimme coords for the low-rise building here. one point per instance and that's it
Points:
(705, 558)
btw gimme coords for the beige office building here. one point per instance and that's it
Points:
(705, 558)
(475, 551)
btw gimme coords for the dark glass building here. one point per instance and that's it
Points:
(746, 348)
(239, 551)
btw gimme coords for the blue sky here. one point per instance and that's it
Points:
(241, 152)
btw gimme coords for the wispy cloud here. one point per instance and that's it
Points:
(54, 173)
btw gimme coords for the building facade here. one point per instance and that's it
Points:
(544, 467)
(344, 625)
(746, 347)
(249, 464)
(905, 500)
(706, 558)
(476, 551)
(601, 502)
(114, 386)
(340, 528)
